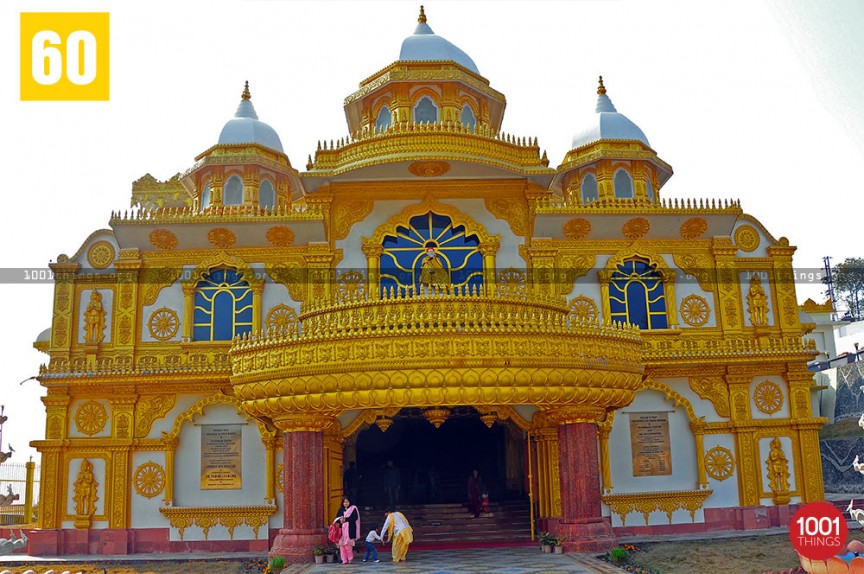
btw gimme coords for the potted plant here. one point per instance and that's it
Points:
(546, 541)
(331, 552)
(318, 553)
(276, 564)
(557, 546)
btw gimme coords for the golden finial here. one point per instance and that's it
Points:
(422, 17)
(601, 89)
(246, 94)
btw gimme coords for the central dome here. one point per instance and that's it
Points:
(424, 45)
(608, 124)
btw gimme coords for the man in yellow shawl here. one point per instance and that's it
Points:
(397, 529)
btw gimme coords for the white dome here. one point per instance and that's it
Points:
(608, 124)
(424, 45)
(246, 128)
(44, 336)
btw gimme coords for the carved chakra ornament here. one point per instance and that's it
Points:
(90, 418)
(149, 479)
(101, 254)
(163, 324)
(747, 238)
(719, 463)
(577, 228)
(636, 228)
(768, 397)
(694, 310)
(429, 168)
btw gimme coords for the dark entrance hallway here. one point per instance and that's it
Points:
(435, 463)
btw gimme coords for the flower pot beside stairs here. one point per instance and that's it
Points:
(318, 553)
(546, 541)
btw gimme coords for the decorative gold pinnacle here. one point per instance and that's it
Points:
(601, 89)
(246, 94)
(422, 17)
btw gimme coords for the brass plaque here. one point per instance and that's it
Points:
(221, 457)
(649, 440)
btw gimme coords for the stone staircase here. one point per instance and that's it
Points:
(450, 525)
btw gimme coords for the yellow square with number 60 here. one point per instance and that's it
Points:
(65, 56)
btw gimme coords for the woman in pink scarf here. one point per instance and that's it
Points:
(349, 517)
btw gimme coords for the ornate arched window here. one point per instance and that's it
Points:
(467, 116)
(589, 188)
(385, 118)
(232, 193)
(266, 195)
(425, 111)
(223, 306)
(431, 251)
(623, 184)
(637, 294)
(205, 196)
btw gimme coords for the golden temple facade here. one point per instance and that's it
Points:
(215, 355)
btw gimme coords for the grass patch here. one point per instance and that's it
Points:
(847, 428)
(750, 555)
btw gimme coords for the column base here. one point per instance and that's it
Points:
(296, 546)
(591, 535)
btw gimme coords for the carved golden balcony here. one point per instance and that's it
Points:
(445, 141)
(674, 206)
(437, 349)
(218, 214)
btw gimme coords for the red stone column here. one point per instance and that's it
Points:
(582, 521)
(303, 460)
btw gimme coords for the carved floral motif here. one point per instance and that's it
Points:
(577, 228)
(636, 228)
(280, 236)
(429, 168)
(221, 237)
(693, 228)
(163, 239)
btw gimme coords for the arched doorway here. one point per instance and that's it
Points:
(434, 462)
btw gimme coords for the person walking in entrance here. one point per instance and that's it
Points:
(348, 518)
(351, 481)
(397, 530)
(371, 551)
(392, 484)
(475, 493)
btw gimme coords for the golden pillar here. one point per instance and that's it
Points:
(188, 309)
(548, 483)
(728, 286)
(749, 465)
(698, 428)
(373, 263)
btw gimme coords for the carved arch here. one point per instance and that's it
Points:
(672, 395)
(223, 259)
(199, 408)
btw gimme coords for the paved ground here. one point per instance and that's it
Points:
(525, 560)
(522, 560)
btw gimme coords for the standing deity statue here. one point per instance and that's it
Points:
(85, 490)
(94, 319)
(433, 274)
(778, 472)
(757, 302)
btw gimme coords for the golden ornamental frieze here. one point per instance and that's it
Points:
(400, 387)
(572, 267)
(293, 274)
(442, 71)
(700, 266)
(208, 358)
(218, 259)
(228, 516)
(648, 502)
(712, 389)
(199, 408)
(674, 396)
(150, 408)
(731, 349)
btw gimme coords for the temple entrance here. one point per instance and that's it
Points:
(434, 463)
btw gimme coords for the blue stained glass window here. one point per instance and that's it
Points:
(637, 295)
(406, 251)
(223, 306)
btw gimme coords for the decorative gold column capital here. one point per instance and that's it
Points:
(310, 422)
(575, 414)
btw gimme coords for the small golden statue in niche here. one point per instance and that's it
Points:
(85, 496)
(757, 302)
(433, 274)
(94, 319)
(778, 473)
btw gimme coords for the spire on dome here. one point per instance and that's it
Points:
(422, 17)
(604, 104)
(246, 95)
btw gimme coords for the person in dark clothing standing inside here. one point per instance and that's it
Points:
(392, 484)
(475, 493)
